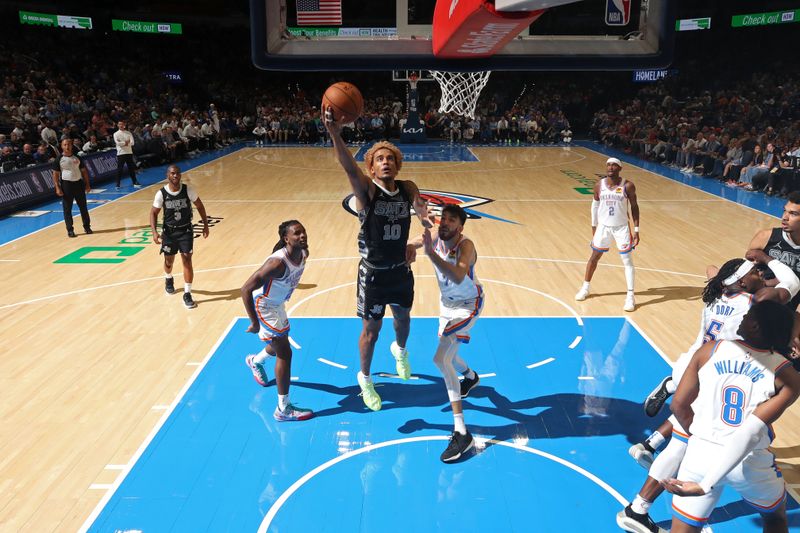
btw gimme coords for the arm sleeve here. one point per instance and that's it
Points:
(742, 442)
(786, 278)
(595, 206)
(158, 201)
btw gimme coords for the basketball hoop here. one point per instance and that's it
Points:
(412, 79)
(460, 90)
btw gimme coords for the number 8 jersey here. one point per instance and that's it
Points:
(734, 381)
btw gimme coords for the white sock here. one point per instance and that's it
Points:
(627, 261)
(585, 286)
(671, 386)
(656, 440)
(640, 505)
(283, 401)
(168, 276)
(460, 427)
(262, 356)
(187, 287)
(365, 378)
(469, 374)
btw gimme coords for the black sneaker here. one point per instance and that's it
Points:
(469, 384)
(637, 523)
(71, 233)
(458, 446)
(655, 401)
(169, 285)
(88, 231)
(187, 300)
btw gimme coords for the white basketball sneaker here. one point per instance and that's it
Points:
(630, 303)
(582, 294)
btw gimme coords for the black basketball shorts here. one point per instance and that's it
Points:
(378, 288)
(177, 240)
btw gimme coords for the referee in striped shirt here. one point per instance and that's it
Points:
(72, 183)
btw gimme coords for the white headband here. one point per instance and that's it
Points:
(741, 272)
(614, 161)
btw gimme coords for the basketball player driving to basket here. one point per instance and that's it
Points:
(384, 275)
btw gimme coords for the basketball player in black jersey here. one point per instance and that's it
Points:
(783, 244)
(384, 275)
(177, 198)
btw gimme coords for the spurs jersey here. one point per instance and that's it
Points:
(468, 289)
(277, 291)
(385, 222)
(734, 381)
(613, 208)
(781, 247)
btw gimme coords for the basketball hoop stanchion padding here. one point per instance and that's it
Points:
(474, 29)
(414, 129)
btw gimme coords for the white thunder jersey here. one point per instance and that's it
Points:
(613, 209)
(468, 289)
(734, 381)
(277, 291)
(719, 322)
(721, 319)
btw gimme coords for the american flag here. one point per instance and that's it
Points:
(319, 12)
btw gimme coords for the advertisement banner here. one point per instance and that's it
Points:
(140, 26)
(34, 185)
(311, 31)
(61, 21)
(765, 19)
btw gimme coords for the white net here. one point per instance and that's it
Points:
(460, 90)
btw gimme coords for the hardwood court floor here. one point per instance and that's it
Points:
(93, 352)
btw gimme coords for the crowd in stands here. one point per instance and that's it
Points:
(746, 134)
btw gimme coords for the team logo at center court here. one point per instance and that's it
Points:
(437, 200)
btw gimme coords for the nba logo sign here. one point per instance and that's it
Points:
(618, 12)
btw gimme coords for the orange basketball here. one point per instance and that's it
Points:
(345, 101)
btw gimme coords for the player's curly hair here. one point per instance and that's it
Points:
(370, 155)
(283, 229)
(714, 287)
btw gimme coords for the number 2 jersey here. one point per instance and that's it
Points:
(385, 223)
(734, 381)
(613, 208)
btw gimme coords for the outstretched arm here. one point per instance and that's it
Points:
(420, 205)
(362, 186)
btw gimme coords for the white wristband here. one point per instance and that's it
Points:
(636, 229)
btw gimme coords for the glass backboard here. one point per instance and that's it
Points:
(396, 34)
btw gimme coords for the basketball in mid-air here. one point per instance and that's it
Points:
(345, 101)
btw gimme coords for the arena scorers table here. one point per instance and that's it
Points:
(34, 185)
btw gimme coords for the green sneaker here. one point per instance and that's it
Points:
(368, 394)
(401, 361)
